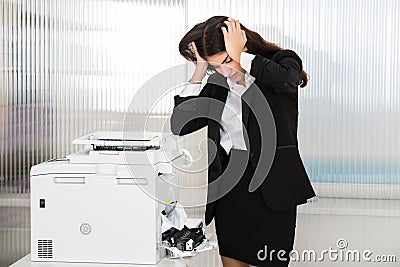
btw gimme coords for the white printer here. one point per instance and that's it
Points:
(103, 204)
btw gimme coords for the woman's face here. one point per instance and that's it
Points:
(227, 67)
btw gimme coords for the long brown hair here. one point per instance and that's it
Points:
(209, 41)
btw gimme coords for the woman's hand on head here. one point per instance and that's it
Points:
(235, 39)
(201, 65)
(198, 57)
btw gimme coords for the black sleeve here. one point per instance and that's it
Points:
(282, 73)
(190, 113)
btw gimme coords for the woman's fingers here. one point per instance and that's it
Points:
(196, 53)
(233, 25)
(238, 25)
(224, 31)
(194, 48)
(229, 24)
(235, 22)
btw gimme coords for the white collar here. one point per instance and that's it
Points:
(234, 85)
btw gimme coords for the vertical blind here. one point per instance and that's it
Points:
(71, 67)
(68, 68)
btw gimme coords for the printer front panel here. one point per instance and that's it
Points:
(94, 218)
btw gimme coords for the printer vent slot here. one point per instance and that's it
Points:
(45, 249)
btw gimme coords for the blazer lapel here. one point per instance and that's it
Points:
(246, 104)
(220, 94)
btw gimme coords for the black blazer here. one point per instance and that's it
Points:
(287, 183)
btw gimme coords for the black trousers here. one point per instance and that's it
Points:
(248, 230)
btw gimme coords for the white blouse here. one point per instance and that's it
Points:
(231, 130)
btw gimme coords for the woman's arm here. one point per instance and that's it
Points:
(191, 105)
(191, 109)
(282, 73)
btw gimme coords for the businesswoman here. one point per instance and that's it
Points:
(253, 228)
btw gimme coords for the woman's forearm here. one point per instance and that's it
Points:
(199, 72)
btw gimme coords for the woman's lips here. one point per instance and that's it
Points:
(232, 76)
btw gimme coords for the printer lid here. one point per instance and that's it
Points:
(119, 140)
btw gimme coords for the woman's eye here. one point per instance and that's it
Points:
(228, 60)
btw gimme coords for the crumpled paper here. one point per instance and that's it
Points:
(175, 217)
